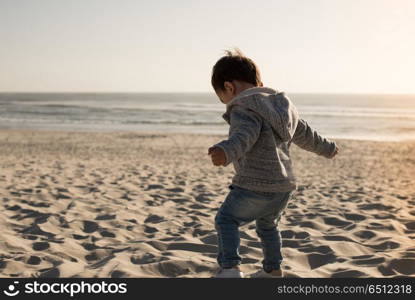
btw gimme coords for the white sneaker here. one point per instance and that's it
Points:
(229, 273)
(263, 274)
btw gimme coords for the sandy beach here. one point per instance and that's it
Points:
(130, 204)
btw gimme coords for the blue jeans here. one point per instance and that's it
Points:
(242, 206)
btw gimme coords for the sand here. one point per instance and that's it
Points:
(142, 205)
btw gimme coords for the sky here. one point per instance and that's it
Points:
(302, 46)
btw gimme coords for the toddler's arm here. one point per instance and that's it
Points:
(243, 133)
(308, 139)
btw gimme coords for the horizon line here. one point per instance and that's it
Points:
(200, 92)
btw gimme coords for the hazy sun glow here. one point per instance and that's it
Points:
(359, 46)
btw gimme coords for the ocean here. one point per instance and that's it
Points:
(347, 116)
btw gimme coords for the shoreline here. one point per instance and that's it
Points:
(158, 132)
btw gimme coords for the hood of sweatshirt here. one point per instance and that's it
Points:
(272, 106)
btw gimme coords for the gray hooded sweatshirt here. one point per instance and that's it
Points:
(263, 124)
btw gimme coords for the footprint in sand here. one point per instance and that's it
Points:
(176, 190)
(410, 225)
(335, 222)
(180, 200)
(36, 204)
(106, 233)
(205, 197)
(290, 234)
(199, 188)
(91, 257)
(35, 230)
(369, 262)
(181, 182)
(79, 237)
(384, 216)
(316, 260)
(199, 232)
(89, 246)
(83, 189)
(172, 234)
(90, 227)
(40, 246)
(366, 256)
(117, 274)
(176, 239)
(154, 186)
(355, 217)
(198, 206)
(293, 243)
(386, 270)
(403, 266)
(29, 213)
(365, 234)
(210, 239)
(172, 268)
(34, 260)
(190, 224)
(389, 245)
(102, 262)
(105, 217)
(199, 213)
(151, 203)
(50, 273)
(150, 229)
(376, 206)
(147, 258)
(27, 191)
(379, 226)
(193, 247)
(13, 208)
(154, 219)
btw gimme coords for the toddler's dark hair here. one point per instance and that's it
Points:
(234, 66)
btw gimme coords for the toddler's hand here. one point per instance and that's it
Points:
(336, 151)
(217, 155)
